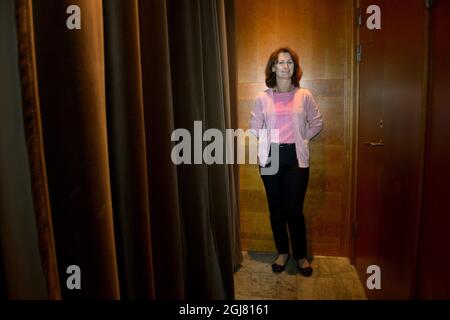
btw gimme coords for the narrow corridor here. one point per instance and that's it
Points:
(333, 278)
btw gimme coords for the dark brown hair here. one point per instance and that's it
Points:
(271, 78)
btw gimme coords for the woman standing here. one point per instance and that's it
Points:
(290, 118)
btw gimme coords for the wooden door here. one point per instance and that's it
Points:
(390, 145)
(370, 157)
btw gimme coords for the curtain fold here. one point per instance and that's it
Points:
(229, 67)
(217, 101)
(26, 238)
(110, 96)
(192, 24)
(167, 233)
(70, 68)
(186, 59)
(127, 148)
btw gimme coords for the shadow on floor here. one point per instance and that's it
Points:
(334, 278)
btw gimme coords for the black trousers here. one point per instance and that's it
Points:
(285, 192)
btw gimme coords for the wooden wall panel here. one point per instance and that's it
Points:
(433, 277)
(320, 32)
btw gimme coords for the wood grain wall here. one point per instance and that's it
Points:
(321, 33)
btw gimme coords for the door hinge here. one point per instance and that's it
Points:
(358, 53)
(358, 16)
(429, 4)
(354, 229)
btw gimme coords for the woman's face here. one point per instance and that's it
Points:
(284, 66)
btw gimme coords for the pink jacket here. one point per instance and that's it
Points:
(307, 122)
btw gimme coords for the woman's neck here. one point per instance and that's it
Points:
(284, 86)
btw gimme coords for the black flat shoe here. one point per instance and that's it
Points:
(306, 271)
(277, 268)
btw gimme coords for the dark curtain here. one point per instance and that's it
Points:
(128, 160)
(23, 275)
(229, 67)
(98, 108)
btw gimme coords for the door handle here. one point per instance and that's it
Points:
(375, 144)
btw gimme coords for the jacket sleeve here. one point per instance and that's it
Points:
(256, 117)
(313, 117)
